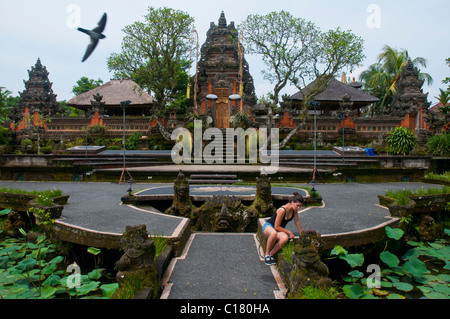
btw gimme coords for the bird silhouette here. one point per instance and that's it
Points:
(95, 35)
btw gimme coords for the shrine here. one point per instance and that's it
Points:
(37, 100)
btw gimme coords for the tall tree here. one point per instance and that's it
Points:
(85, 85)
(295, 51)
(152, 55)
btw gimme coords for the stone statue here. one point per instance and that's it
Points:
(137, 262)
(308, 270)
(263, 203)
(139, 250)
(97, 105)
(224, 214)
(182, 203)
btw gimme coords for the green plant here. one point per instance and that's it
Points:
(444, 176)
(401, 141)
(94, 251)
(133, 141)
(160, 244)
(44, 201)
(405, 274)
(286, 252)
(31, 270)
(439, 145)
(310, 292)
(402, 196)
(44, 215)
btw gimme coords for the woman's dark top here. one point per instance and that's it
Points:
(284, 221)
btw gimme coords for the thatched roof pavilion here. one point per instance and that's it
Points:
(334, 93)
(114, 92)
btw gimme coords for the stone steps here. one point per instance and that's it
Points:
(213, 179)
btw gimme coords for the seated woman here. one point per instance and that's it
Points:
(274, 228)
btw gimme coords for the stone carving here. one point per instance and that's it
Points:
(224, 214)
(139, 251)
(308, 270)
(38, 95)
(409, 97)
(182, 204)
(97, 105)
(263, 203)
(137, 262)
(220, 63)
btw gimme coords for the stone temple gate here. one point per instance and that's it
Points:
(223, 71)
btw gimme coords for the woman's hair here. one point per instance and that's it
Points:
(296, 198)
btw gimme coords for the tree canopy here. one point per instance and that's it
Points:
(85, 85)
(154, 53)
(295, 50)
(381, 78)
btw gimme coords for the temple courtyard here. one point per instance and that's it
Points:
(215, 265)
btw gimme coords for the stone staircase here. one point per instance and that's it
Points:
(213, 179)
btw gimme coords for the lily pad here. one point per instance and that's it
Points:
(353, 291)
(48, 292)
(109, 289)
(395, 296)
(27, 264)
(87, 288)
(356, 274)
(415, 267)
(389, 258)
(338, 250)
(394, 233)
(353, 259)
(444, 289)
(403, 286)
(52, 280)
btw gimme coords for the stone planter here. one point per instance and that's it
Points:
(385, 201)
(416, 204)
(14, 201)
(55, 210)
(61, 200)
(430, 203)
(401, 210)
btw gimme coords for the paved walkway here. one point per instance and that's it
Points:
(217, 265)
(221, 266)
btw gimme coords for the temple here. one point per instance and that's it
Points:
(225, 88)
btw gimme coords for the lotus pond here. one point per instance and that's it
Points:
(34, 270)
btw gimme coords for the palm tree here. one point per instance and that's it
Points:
(373, 79)
(444, 98)
(384, 74)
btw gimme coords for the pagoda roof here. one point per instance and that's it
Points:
(114, 92)
(335, 92)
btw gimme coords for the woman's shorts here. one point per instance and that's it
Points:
(265, 225)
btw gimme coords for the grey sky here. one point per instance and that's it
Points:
(30, 29)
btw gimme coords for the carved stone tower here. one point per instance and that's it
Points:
(219, 73)
(410, 98)
(38, 95)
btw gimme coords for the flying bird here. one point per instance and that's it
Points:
(95, 35)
